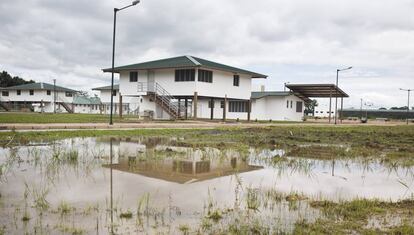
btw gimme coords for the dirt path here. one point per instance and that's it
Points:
(156, 125)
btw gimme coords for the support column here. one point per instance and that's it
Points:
(249, 109)
(212, 108)
(120, 105)
(224, 108)
(342, 107)
(330, 104)
(195, 101)
(186, 108)
(179, 108)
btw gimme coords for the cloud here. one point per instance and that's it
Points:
(292, 41)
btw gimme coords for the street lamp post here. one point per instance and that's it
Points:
(336, 96)
(408, 102)
(113, 57)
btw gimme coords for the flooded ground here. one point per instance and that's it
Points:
(151, 185)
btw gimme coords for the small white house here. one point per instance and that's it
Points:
(130, 104)
(277, 106)
(38, 97)
(85, 104)
(187, 86)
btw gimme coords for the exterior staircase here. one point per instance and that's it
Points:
(4, 106)
(161, 97)
(65, 105)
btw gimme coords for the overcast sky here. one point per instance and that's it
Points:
(296, 41)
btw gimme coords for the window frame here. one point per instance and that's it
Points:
(18, 92)
(114, 93)
(205, 76)
(31, 92)
(184, 75)
(5, 93)
(238, 106)
(236, 80)
(48, 92)
(133, 76)
(68, 94)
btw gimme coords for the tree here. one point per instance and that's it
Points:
(399, 108)
(310, 107)
(382, 108)
(7, 80)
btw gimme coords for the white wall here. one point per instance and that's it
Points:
(222, 84)
(86, 108)
(275, 108)
(37, 96)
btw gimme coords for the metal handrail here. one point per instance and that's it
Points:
(160, 93)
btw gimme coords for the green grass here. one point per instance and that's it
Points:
(351, 217)
(61, 118)
(364, 141)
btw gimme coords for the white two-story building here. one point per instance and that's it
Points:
(187, 86)
(38, 97)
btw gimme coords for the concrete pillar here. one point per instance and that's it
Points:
(120, 105)
(330, 104)
(224, 108)
(179, 107)
(195, 101)
(212, 108)
(186, 108)
(342, 107)
(249, 109)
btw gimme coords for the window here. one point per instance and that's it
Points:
(184, 75)
(287, 103)
(236, 80)
(5, 93)
(48, 92)
(68, 94)
(31, 92)
(291, 104)
(299, 106)
(238, 106)
(18, 92)
(210, 104)
(222, 104)
(133, 76)
(205, 76)
(114, 93)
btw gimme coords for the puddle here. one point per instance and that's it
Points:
(74, 185)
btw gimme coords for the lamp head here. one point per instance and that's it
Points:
(135, 2)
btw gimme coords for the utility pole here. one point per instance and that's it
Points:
(408, 102)
(116, 10)
(336, 93)
(360, 110)
(54, 95)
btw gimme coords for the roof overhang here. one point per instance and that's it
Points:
(307, 91)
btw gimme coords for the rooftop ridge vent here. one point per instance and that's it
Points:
(193, 60)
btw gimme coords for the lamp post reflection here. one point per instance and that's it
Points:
(111, 186)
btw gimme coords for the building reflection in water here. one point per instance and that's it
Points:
(176, 164)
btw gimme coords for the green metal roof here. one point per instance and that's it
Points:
(184, 62)
(38, 86)
(261, 94)
(86, 100)
(108, 88)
